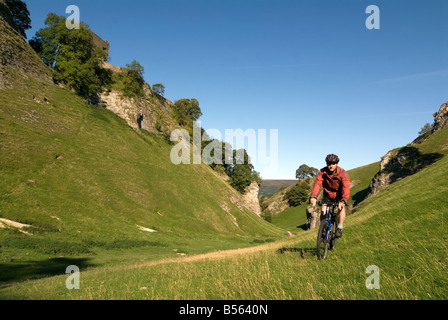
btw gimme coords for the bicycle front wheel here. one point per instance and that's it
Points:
(322, 243)
(333, 237)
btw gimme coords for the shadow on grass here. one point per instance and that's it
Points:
(14, 272)
(305, 253)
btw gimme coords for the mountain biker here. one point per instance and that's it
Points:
(336, 183)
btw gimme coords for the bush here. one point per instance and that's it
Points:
(76, 60)
(159, 89)
(299, 193)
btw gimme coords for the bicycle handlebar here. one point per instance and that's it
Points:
(333, 203)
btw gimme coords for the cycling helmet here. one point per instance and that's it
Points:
(332, 158)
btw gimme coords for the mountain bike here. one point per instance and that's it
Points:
(326, 236)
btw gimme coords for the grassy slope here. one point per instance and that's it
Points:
(401, 230)
(86, 206)
(294, 218)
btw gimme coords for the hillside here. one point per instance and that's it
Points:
(18, 61)
(400, 231)
(84, 185)
(80, 186)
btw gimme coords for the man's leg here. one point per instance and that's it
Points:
(341, 217)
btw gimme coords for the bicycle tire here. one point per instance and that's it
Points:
(322, 243)
(334, 239)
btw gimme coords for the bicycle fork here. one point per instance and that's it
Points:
(330, 225)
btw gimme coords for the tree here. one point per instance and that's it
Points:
(186, 111)
(136, 67)
(425, 130)
(20, 15)
(159, 89)
(46, 41)
(242, 173)
(131, 82)
(299, 193)
(306, 172)
(77, 61)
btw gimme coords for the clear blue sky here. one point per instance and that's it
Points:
(309, 69)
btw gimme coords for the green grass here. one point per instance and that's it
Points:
(85, 181)
(110, 179)
(84, 209)
(401, 231)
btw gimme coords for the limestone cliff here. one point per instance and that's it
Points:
(276, 203)
(250, 198)
(150, 112)
(402, 162)
(440, 121)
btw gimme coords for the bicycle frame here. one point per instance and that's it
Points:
(326, 236)
(331, 218)
(330, 223)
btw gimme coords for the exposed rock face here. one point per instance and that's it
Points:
(440, 118)
(440, 121)
(398, 164)
(250, 198)
(151, 112)
(100, 43)
(277, 203)
(313, 217)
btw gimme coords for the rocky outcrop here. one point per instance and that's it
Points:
(150, 112)
(398, 164)
(401, 163)
(440, 118)
(440, 121)
(313, 217)
(276, 203)
(250, 198)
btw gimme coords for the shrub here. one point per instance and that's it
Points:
(299, 193)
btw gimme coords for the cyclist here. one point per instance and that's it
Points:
(336, 184)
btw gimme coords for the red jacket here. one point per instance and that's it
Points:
(336, 186)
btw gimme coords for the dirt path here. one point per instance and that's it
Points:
(215, 255)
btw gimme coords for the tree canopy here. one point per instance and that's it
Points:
(159, 89)
(186, 111)
(305, 171)
(299, 193)
(242, 173)
(72, 54)
(20, 15)
(130, 81)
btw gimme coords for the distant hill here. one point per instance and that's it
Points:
(272, 186)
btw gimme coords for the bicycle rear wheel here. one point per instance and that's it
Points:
(322, 244)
